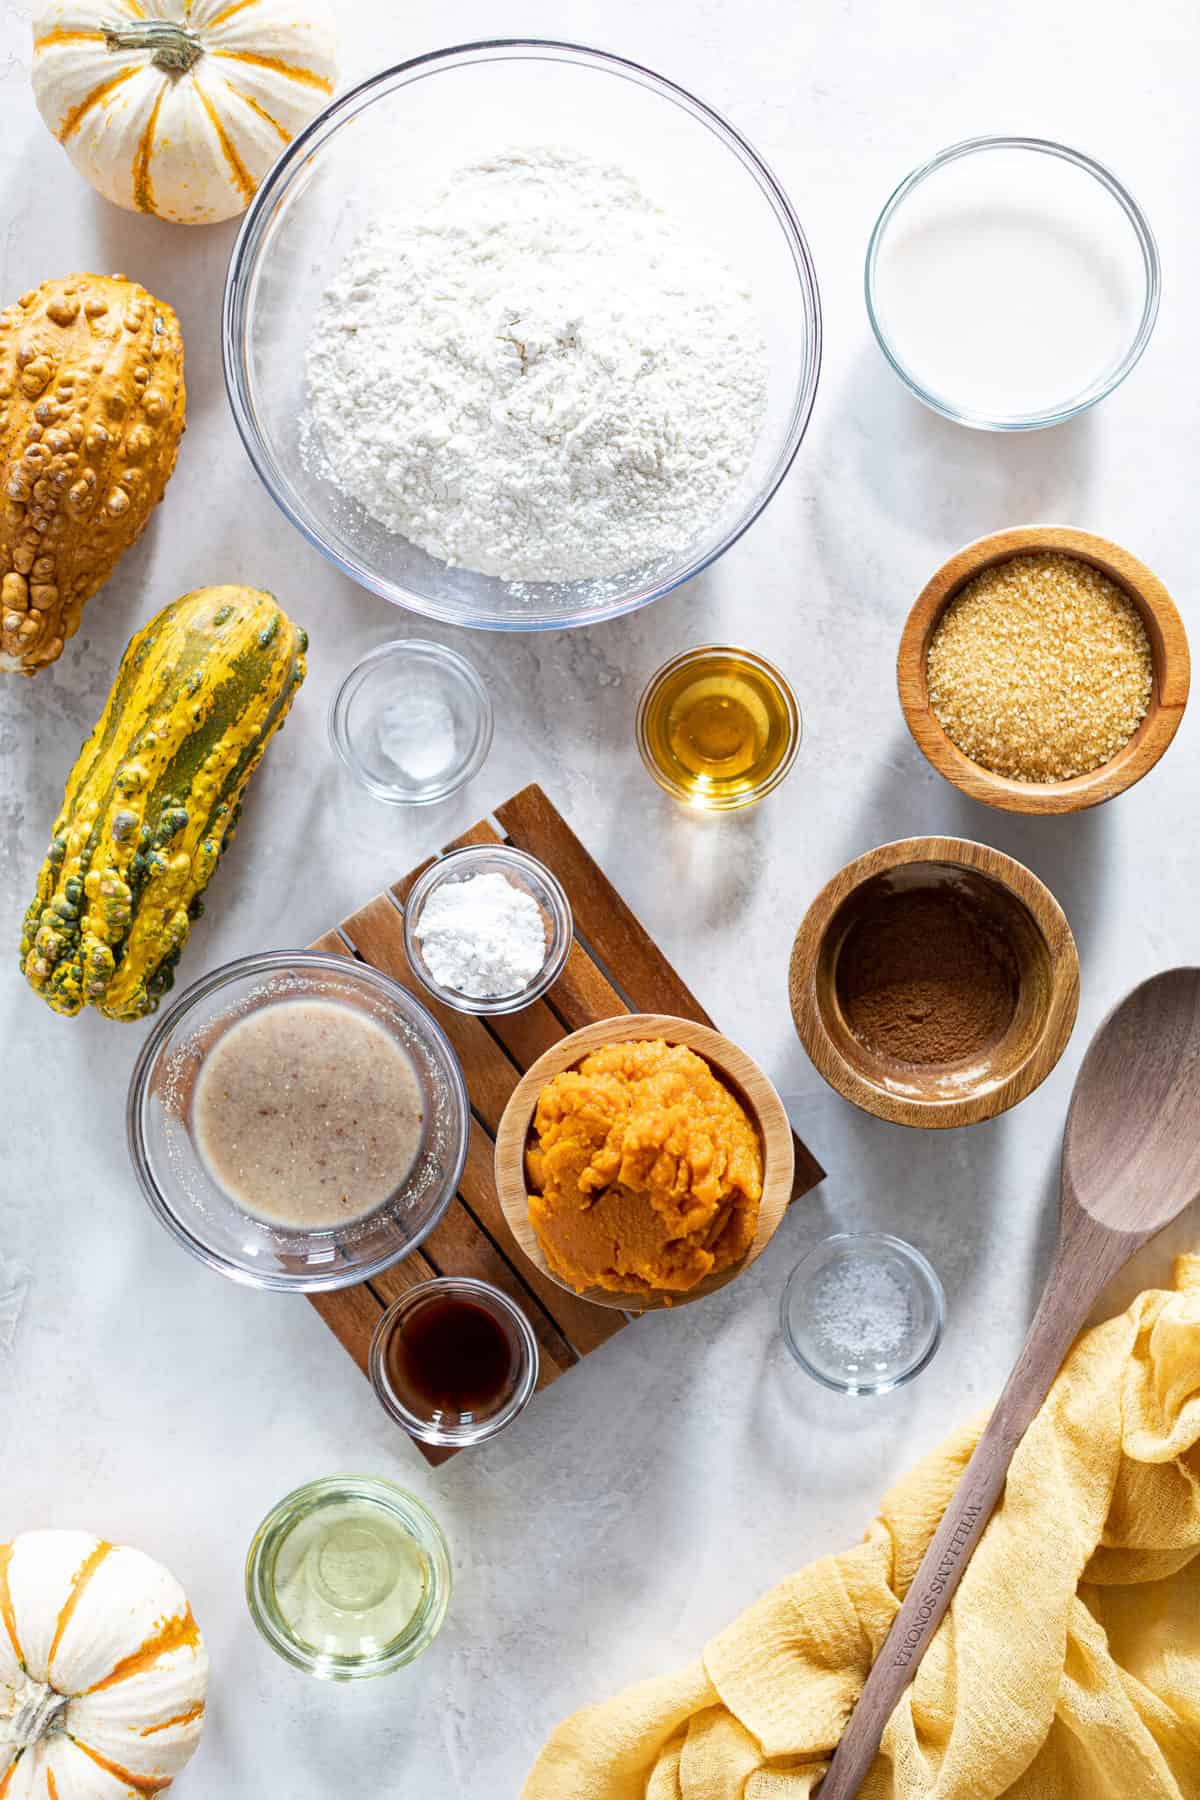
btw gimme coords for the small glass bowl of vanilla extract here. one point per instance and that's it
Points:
(718, 727)
(453, 1361)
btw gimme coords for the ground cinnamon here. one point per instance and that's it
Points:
(924, 976)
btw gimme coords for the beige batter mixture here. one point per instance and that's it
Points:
(308, 1113)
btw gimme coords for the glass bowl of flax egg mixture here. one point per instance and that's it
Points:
(298, 1121)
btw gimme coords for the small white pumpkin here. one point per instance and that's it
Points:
(103, 1671)
(179, 107)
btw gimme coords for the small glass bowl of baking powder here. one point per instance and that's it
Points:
(412, 722)
(487, 929)
(863, 1312)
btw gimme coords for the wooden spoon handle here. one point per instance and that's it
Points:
(1068, 1299)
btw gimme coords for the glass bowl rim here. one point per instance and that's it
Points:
(458, 1436)
(557, 951)
(926, 1277)
(421, 650)
(773, 673)
(282, 961)
(244, 257)
(417, 1519)
(1150, 262)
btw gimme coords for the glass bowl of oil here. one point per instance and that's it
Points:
(718, 727)
(348, 1577)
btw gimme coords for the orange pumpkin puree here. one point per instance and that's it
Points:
(644, 1172)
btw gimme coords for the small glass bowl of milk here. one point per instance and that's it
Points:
(348, 1577)
(1012, 282)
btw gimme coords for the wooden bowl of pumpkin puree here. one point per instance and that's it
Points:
(644, 1162)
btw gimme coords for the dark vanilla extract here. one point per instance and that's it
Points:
(451, 1358)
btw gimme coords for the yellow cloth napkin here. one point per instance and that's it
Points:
(1068, 1667)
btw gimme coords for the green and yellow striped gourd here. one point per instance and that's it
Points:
(154, 798)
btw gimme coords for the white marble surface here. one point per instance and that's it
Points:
(644, 1501)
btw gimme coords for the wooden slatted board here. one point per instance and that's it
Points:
(614, 967)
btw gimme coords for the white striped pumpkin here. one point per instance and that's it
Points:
(179, 107)
(103, 1671)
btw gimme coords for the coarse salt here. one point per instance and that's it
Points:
(860, 1311)
(482, 936)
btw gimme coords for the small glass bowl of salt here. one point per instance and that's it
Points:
(412, 722)
(487, 929)
(863, 1312)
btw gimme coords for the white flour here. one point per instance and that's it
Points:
(537, 374)
(482, 936)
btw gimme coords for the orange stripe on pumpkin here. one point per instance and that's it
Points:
(51, 1785)
(141, 1784)
(228, 12)
(177, 1634)
(143, 189)
(195, 1711)
(275, 63)
(68, 37)
(237, 168)
(101, 92)
(9, 1619)
(79, 1581)
(8, 1774)
(252, 103)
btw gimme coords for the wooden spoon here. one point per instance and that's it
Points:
(1130, 1164)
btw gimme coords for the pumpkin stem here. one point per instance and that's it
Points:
(174, 47)
(37, 1711)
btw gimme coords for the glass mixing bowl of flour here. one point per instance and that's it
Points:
(298, 1120)
(521, 335)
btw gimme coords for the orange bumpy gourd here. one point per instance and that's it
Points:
(92, 406)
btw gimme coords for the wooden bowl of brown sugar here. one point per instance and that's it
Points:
(934, 982)
(1043, 669)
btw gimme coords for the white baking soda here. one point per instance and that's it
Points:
(1009, 282)
(482, 936)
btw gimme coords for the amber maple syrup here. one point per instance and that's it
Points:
(718, 727)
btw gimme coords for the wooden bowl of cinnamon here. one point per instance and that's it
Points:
(934, 982)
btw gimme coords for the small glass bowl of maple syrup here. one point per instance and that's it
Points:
(718, 727)
(453, 1361)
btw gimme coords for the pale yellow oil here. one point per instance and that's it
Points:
(348, 1578)
(718, 727)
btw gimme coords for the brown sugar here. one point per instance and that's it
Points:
(1040, 669)
(924, 976)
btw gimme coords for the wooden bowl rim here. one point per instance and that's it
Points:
(729, 1061)
(1168, 645)
(1059, 1021)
